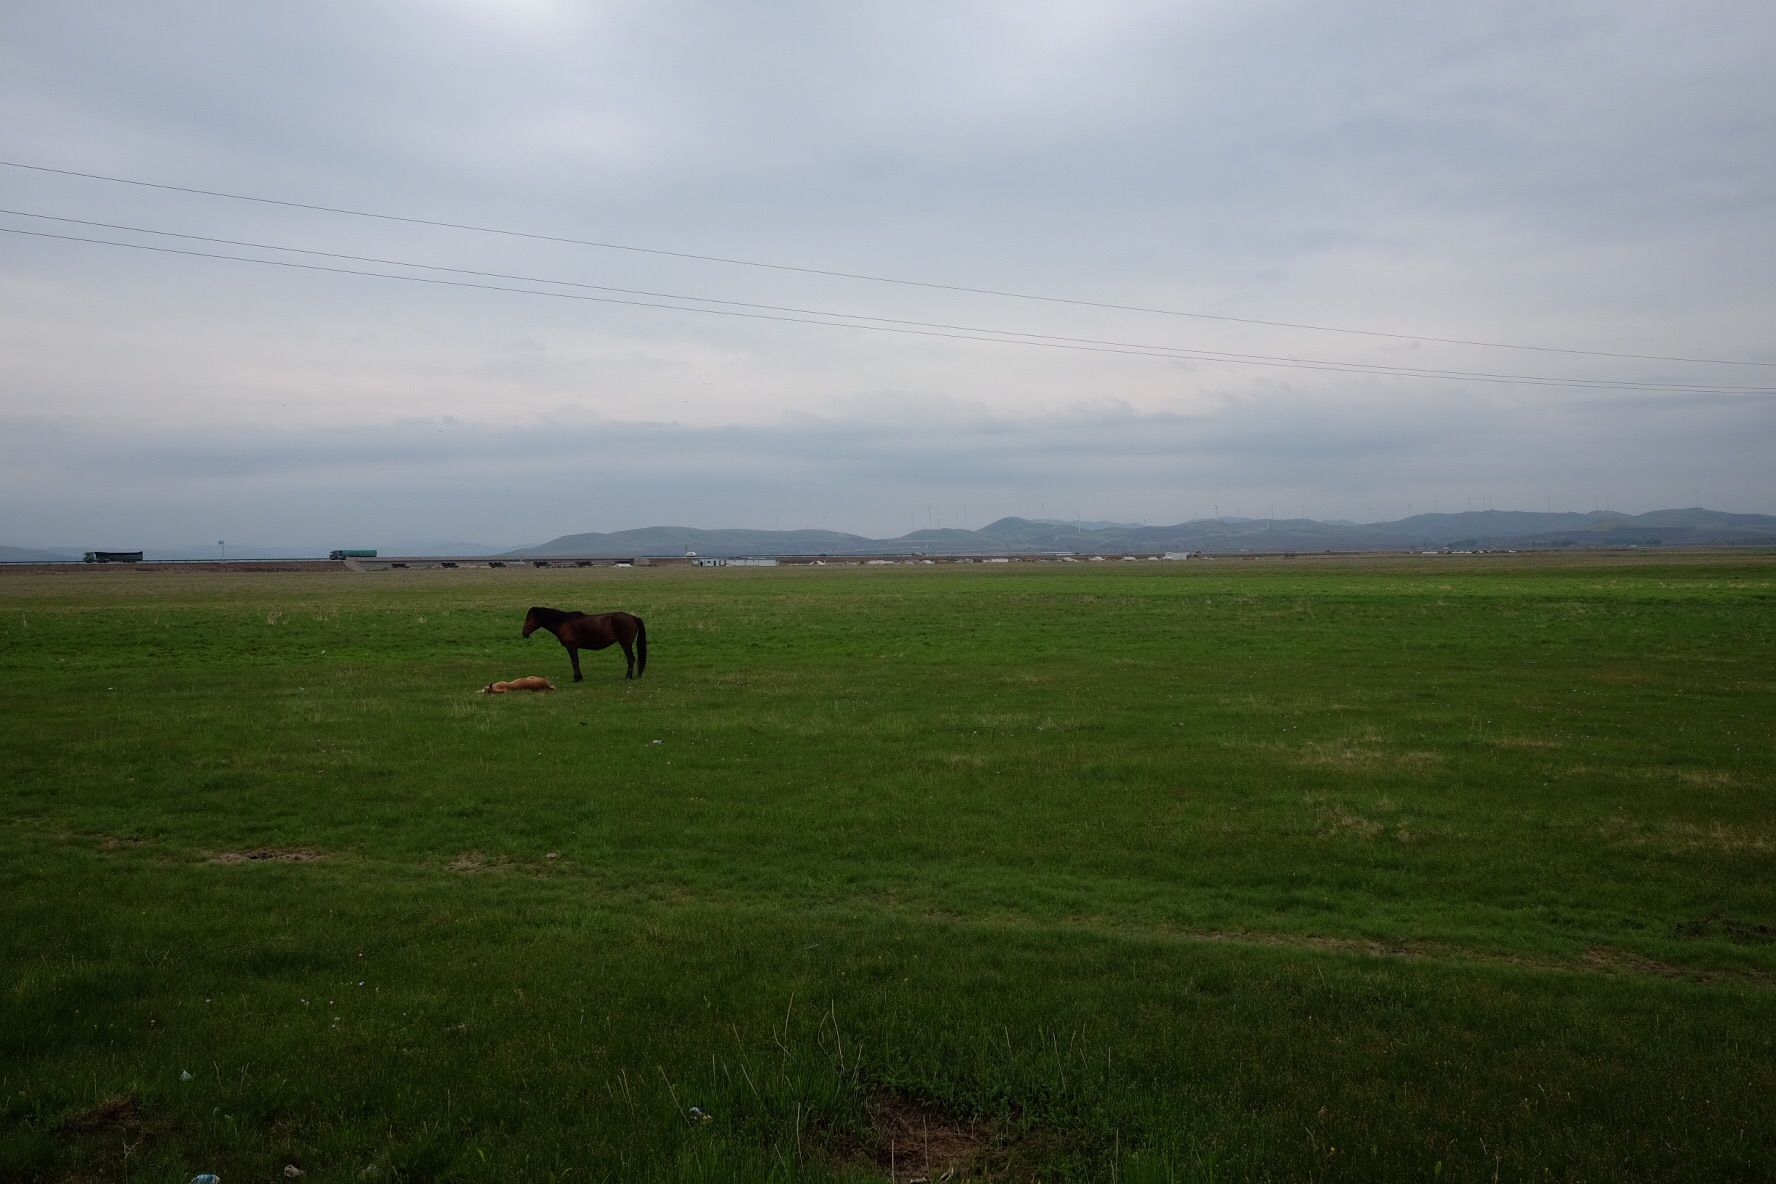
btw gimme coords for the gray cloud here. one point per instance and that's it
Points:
(1598, 176)
(1362, 458)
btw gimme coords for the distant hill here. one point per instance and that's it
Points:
(676, 540)
(1481, 528)
(1601, 528)
(1689, 527)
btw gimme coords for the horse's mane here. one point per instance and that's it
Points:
(552, 616)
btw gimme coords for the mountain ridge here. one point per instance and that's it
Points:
(1471, 529)
(1693, 526)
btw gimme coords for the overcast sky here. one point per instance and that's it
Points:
(1579, 177)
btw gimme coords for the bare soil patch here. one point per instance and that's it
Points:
(1368, 751)
(269, 855)
(1597, 959)
(918, 1144)
(1525, 742)
(1606, 958)
(120, 1112)
(107, 1134)
(1715, 925)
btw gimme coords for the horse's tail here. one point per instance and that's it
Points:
(641, 647)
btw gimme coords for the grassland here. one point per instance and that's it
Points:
(1273, 870)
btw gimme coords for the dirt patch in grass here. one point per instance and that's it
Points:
(269, 855)
(1366, 751)
(1525, 742)
(1597, 959)
(1716, 837)
(120, 1112)
(474, 862)
(1306, 941)
(918, 1144)
(1343, 823)
(914, 1142)
(1339, 821)
(1685, 836)
(1607, 958)
(1715, 925)
(104, 1136)
(1707, 778)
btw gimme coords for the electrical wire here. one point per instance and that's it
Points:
(1191, 351)
(960, 332)
(879, 279)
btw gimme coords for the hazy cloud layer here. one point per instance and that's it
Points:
(954, 467)
(1597, 177)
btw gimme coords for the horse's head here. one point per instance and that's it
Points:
(531, 624)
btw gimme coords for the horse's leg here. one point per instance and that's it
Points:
(573, 655)
(629, 653)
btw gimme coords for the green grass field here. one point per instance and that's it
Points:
(1416, 869)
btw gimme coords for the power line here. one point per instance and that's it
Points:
(1189, 351)
(878, 279)
(962, 333)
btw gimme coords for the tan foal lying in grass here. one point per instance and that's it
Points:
(534, 682)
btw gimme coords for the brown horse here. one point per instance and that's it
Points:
(578, 631)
